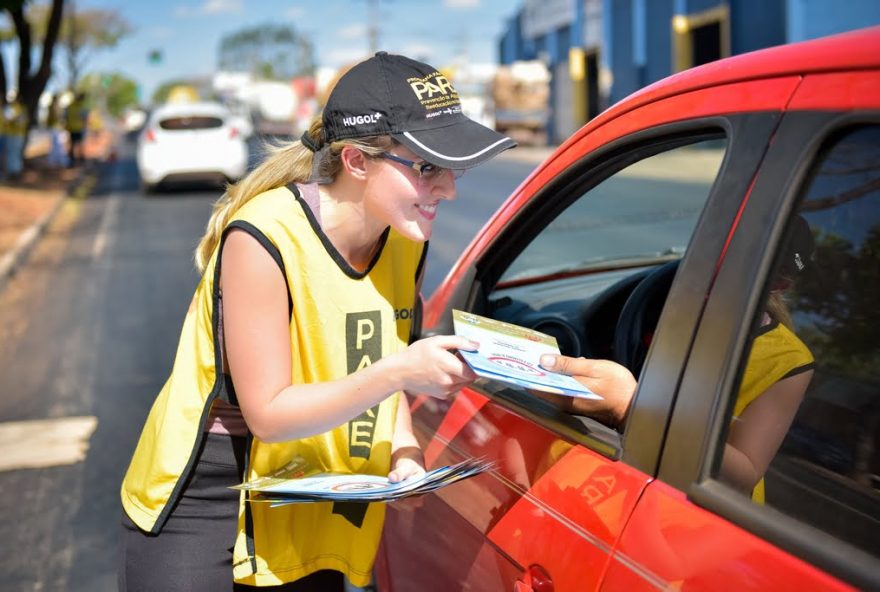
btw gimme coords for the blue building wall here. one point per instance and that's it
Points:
(638, 45)
(659, 39)
(809, 19)
(623, 65)
(756, 24)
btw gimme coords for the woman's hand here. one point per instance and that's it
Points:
(406, 462)
(611, 381)
(431, 367)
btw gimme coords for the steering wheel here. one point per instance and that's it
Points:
(639, 316)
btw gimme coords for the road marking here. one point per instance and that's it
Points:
(108, 222)
(41, 443)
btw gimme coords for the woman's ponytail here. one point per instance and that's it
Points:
(291, 163)
(308, 160)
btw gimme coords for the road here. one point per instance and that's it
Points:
(88, 330)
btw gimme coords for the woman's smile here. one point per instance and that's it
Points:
(428, 211)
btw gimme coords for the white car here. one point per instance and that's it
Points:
(191, 142)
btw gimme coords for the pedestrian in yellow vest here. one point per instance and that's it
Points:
(297, 344)
(16, 130)
(75, 123)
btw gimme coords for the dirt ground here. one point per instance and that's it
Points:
(32, 197)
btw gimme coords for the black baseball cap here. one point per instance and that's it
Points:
(797, 248)
(390, 94)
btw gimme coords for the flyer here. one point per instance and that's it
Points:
(296, 483)
(510, 353)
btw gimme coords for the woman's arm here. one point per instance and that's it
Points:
(757, 433)
(407, 459)
(257, 342)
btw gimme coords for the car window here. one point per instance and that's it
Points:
(813, 361)
(191, 123)
(571, 279)
(644, 213)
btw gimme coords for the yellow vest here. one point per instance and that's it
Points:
(341, 321)
(776, 353)
(76, 118)
(16, 125)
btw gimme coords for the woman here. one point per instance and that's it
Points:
(295, 344)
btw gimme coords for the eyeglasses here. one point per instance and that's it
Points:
(426, 170)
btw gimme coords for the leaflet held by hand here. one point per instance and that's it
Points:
(510, 353)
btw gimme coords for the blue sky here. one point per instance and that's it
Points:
(189, 31)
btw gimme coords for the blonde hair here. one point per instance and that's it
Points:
(777, 307)
(289, 163)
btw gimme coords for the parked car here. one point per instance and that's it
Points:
(190, 142)
(651, 237)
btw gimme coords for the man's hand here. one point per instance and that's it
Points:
(611, 381)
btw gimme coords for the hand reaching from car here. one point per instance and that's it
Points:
(613, 382)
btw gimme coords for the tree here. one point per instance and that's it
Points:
(160, 95)
(83, 31)
(31, 84)
(113, 91)
(269, 51)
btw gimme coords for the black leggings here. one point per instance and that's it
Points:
(193, 553)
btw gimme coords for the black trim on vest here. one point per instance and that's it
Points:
(422, 259)
(799, 370)
(216, 389)
(270, 247)
(346, 268)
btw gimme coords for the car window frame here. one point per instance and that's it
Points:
(698, 421)
(640, 442)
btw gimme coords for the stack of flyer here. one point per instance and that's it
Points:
(297, 483)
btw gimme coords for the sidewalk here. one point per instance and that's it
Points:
(28, 205)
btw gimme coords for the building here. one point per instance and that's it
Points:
(599, 51)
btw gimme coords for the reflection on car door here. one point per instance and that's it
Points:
(549, 509)
(689, 529)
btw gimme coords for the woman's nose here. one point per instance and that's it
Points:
(444, 185)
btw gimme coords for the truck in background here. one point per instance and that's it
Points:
(521, 94)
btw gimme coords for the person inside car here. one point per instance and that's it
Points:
(296, 344)
(777, 374)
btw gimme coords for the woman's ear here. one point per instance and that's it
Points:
(354, 162)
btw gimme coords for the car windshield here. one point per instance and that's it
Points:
(193, 122)
(642, 215)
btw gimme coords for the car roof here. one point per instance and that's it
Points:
(855, 50)
(189, 109)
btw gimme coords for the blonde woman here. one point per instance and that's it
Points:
(296, 344)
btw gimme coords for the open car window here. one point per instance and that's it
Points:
(574, 273)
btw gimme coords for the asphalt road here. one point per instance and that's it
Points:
(88, 330)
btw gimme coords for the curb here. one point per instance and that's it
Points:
(19, 252)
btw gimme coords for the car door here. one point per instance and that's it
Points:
(819, 525)
(564, 487)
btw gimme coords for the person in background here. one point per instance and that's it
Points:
(778, 371)
(58, 157)
(16, 131)
(296, 344)
(75, 124)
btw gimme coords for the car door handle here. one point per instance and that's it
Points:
(535, 579)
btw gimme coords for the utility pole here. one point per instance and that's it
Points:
(373, 25)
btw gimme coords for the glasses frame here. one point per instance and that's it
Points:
(433, 171)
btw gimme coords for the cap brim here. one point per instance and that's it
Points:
(462, 145)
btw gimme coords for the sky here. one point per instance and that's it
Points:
(188, 32)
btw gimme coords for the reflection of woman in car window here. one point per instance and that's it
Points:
(296, 344)
(776, 376)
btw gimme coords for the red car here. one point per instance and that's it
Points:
(656, 236)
